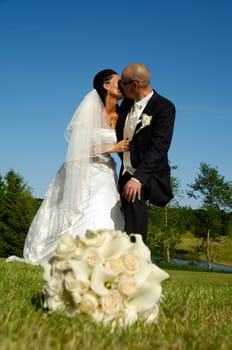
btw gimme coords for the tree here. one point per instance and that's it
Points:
(17, 210)
(168, 234)
(216, 195)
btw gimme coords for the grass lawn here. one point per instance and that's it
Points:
(195, 314)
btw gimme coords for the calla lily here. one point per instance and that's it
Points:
(102, 280)
(115, 247)
(80, 269)
(142, 250)
(142, 275)
(91, 238)
(97, 238)
(145, 297)
(157, 274)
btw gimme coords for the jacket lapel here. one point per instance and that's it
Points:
(147, 110)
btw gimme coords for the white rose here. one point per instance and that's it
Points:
(131, 261)
(60, 265)
(54, 303)
(54, 286)
(66, 246)
(76, 297)
(89, 302)
(111, 303)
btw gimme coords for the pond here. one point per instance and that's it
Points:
(202, 265)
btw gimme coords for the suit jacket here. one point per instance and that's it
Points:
(149, 146)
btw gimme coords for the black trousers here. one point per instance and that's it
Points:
(135, 214)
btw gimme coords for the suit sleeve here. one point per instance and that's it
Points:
(157, 150)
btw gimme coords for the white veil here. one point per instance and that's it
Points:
(68, 193)
(85, 143)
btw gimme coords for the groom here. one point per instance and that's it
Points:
(147, 120)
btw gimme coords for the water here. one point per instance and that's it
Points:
(202, 265)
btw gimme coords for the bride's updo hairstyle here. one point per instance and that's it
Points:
(104, 76)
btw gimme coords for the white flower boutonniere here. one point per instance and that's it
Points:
(146, 120)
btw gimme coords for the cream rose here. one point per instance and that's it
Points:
(89, 302)
(78, 253)
(111, 303)
(117, 265)
(127, 285)
(131, 261)
(93, 257)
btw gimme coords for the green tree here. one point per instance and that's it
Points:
(165, 224)
(216, 195)
(17, 210)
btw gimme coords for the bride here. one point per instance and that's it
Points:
(83, 194)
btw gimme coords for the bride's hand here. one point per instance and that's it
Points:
(122, 146)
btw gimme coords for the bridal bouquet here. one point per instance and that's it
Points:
(106, 274)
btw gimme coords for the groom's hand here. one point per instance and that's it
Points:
(131, 190)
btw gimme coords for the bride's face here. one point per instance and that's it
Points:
(113, 89)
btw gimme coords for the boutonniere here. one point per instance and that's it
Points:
(146, 119)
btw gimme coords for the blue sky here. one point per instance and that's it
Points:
(51, 49)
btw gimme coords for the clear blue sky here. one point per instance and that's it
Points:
(51, 49)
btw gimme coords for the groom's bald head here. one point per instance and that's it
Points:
(139, 72)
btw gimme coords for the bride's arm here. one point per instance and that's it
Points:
(121, 146)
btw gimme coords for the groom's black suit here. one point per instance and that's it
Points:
(149, 155)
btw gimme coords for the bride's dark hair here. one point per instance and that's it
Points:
(100, 78)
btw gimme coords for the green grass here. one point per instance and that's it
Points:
(195, 314)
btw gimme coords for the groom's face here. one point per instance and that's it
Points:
(126, 85)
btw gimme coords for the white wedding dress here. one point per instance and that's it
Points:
(101, 211)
